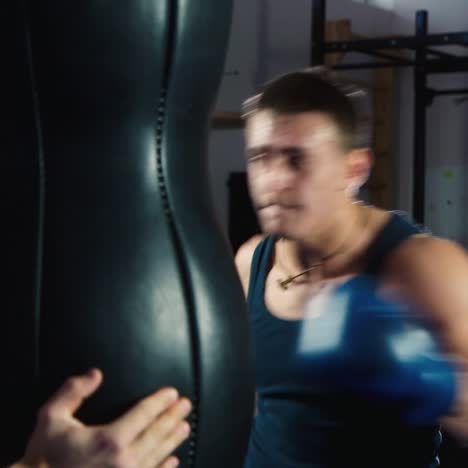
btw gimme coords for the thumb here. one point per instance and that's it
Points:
(71, 394)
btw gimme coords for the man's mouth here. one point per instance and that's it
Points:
(276, 208)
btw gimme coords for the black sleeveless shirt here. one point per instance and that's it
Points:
(299, 426)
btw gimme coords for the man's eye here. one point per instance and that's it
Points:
(295, 159)
(256, 157)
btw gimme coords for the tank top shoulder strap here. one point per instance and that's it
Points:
(259, 268)
(395, 232)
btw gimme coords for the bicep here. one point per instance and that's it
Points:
(435, 277)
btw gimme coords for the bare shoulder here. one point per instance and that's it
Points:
(427, 254)
(243, 259)
(245, 253)
(433, 272)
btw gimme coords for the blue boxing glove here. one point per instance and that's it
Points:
(361, 344)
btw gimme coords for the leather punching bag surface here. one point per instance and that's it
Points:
(113, 255)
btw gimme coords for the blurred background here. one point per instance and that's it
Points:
(424, 106)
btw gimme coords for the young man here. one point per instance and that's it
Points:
(307, 156)
(143, 437)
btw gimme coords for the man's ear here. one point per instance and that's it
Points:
(359, 163)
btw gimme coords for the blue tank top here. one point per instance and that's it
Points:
(299, 426)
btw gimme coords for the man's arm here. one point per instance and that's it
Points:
(144, 436)
(433, 274)
(243, 260)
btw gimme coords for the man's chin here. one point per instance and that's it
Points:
(278, 220)
(276, 229)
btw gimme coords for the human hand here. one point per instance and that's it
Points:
(145, 436)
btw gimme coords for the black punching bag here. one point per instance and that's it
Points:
(112, 253)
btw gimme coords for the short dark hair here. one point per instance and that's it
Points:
(318, 90)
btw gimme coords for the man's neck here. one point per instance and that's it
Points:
(338, 245)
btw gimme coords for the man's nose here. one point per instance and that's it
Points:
(281, 176)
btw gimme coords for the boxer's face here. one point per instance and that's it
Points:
(297, 172)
